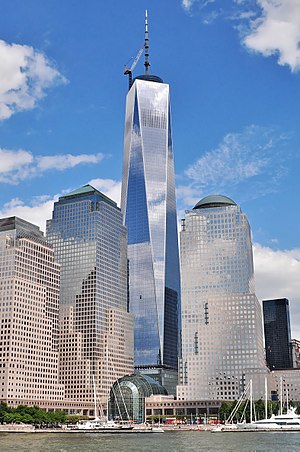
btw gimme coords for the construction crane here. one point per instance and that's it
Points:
(128, 71)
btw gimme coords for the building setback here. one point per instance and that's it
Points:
(277, 334)
(221, 316)
(96, 331)
(149, 211)
(29, 314)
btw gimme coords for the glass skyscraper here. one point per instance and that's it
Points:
(278, 341)
(222, 333)
(149, 211)
(96, 331)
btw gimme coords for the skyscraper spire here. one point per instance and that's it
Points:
(146, 64)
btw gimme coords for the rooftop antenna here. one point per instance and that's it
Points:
(146, 64)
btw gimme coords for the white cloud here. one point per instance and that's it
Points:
(16, 166)
(276, 30)
(12, 160)
(37, 211)
(187, 4)
(109, 187)
(40, 208)
(25, 74)
(277, 275)
(62, 162)
(270, 27)
(254, 153)
(187, 195)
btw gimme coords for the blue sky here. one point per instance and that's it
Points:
(234, 71)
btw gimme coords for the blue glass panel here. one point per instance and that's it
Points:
(136, 215)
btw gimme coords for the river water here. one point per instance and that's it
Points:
(150, 442)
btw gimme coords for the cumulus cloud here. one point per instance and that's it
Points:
(269, 27)
(277, 275)
(256, 153)
(19, 165)
(40, 208)
(25, 74)
(37, 211)
(276, 30)
(109, 187)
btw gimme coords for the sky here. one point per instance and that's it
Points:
(234, 72)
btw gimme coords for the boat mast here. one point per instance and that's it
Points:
(251, 403)
(95, 401)
(281, 395)
(266, 398)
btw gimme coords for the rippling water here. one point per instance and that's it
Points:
(168, 441)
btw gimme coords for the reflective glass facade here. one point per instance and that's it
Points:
(277, 334)
(221, 317)
(149, 212)
(127, 397)
(90, 243)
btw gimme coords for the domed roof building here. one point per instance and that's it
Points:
(214, 201)
(222, 337)
(127, 397)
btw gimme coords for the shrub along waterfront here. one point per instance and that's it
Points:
(30, 415)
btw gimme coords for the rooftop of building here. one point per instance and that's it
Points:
(22, 227)
(214, 201)
(87, 190)
(146, 385)
(149, 78)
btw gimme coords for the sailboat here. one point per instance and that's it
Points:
(101, 425)
(282, 421)
(289, 421)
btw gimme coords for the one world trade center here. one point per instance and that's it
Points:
(149, 211)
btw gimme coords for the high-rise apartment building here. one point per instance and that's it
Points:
(149, 211)
(277, 334)
(96, 331)
(29, 303)
(221, 317)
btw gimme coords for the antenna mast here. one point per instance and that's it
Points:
(146, 64)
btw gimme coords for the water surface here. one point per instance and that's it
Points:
(151, 442)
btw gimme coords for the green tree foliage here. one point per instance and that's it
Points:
(31, 415)
(258, 410)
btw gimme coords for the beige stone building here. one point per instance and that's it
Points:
(29, 316)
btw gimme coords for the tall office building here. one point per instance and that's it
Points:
(149, 211)
(96, 331)
(29, 301)
(222, 333)
(278, 341)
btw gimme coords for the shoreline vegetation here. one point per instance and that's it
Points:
(33, 419)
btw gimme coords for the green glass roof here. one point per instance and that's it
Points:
(214, 201)
(81, 191)
(84, 191)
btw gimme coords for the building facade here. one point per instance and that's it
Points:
(29, 316)
(221, 317)
(149, 211)
(283, 384)
(296, 353)
(277, 334)
(96, 330)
